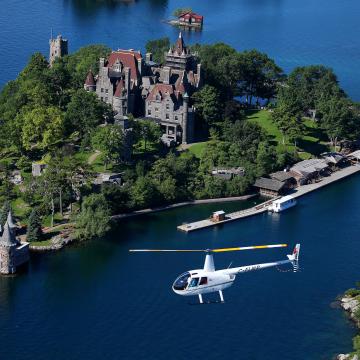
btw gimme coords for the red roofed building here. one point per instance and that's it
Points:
(160, 92)
(190, 19)
(118, 81)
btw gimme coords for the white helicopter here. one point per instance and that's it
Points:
(209, 280)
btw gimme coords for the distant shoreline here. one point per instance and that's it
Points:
(185, 203)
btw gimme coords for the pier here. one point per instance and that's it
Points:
(263, 207)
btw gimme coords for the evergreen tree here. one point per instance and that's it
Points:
(4, 212)
(34, 231)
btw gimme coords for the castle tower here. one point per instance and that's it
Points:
(58, 48)
(8, 245)
(185, 118)
(90, 84)
(179, 56)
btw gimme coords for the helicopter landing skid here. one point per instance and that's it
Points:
(208, 302)
(211, 302)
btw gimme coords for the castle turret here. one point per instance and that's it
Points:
(90, 84)
(58, 48)
(12, 252)
(185, 118)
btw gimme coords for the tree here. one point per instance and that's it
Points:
(208, 105)
(158, 48)
(110, 141)
(94, 218)
(336, 118)
(147, 131)
(181, 11)
(259, 75)
(143, 193)
(221, 67)
(79, 63)
(266, 159)
(4, 212)
(288, 121)
(307, 86)
(42, 127)
(84, 112)
(34, 231)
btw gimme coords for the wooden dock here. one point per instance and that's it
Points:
(258, 209)
(263, 207)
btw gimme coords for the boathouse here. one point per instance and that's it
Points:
(190, 18)
(307, 170)
(270, 187)
(286, 177)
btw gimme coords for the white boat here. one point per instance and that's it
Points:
(282, 204)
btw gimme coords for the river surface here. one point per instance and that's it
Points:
(293, 32)
(97, 301)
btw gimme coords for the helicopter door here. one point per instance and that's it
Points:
(203, 281)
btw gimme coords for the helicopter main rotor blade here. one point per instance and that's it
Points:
(211, 250)
(163, 250)
(249, 248)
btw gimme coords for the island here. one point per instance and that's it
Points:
(97, 134)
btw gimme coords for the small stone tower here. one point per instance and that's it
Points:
(90, 84)
(12, 252)
(58, 48)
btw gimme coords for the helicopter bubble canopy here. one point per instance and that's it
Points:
(181, 282)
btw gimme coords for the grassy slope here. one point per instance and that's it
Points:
(312, 143)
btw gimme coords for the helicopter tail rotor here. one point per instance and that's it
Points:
(294, 257)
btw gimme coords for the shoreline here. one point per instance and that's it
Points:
(350, 304)
(261, 208)
(182, 204)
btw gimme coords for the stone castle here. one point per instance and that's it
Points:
(12, 252)
(58, 48)
(138, 86)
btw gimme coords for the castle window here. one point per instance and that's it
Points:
(102, 90)
(149, 112)
(106, 91)
(167, 107)
(167, 116)
(106, 99)
(102, 99)
(176, 117)
(156, 109)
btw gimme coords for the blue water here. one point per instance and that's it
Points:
(98, 301)
(293, 32)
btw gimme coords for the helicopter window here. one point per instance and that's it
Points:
(194, 282)
(181, 282)
(203, 281)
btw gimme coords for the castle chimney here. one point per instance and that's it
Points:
(166, 73)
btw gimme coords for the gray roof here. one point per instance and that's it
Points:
(282, 176)
(269, 184)
(309, 166)
(355, 154)
(10, 220)
(333, 157)
(8, 236)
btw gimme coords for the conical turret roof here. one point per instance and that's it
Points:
(10, 220)
(90, 80)
(8, 236)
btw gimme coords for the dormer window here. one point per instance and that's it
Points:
(158, 97)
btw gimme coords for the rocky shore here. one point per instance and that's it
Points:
(350, 304)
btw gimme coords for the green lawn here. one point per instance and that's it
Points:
(312, 143)
(198, 148)
(20, 208)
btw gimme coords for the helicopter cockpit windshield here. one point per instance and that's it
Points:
(181, 282)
